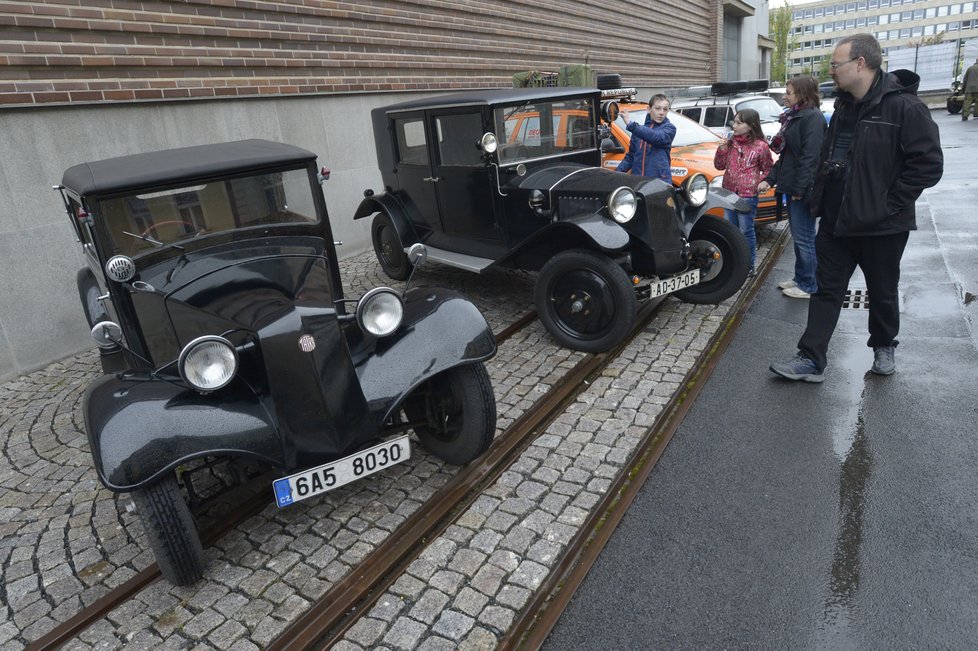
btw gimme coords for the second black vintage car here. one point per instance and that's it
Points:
(227, 342)
(512, 177)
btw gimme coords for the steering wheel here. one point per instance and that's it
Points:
(152, 229)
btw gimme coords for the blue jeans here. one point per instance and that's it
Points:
(745, 222)
(802, 226)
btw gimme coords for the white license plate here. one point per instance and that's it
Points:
(670, 285)
(326, 477)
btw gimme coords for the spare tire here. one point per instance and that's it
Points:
(610, 81)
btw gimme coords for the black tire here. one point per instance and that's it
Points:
(171, 531)
(954, 106)
(720, 277)
(88, 292)
(459, 408)
(611, 81)
(389, 248)
(585, 300)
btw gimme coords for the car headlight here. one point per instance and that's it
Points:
(717, 181)
(622, 205)
(208, 363)
(380, 311)
(488, 142)
(696, 189)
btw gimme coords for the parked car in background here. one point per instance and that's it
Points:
(716, 105)
(826, 88)
(227, 342)
(693, 148)
(513, 177)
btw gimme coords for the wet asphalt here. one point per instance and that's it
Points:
(836, 516)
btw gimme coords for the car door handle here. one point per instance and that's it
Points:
(433, 179)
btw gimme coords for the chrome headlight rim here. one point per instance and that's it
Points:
(380, 298)
(189, 356)
(488, 142)
(696, 188)
(622, 204)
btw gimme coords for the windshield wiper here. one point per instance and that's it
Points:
(155, 242)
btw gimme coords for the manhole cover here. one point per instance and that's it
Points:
(857, 298)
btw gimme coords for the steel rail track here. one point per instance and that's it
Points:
(86, 617)
(534, 624)
(340, 608)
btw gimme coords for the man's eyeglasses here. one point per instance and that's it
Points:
(836, 64)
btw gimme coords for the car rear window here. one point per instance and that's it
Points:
(140, 222)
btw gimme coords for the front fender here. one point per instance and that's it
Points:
(390, 206)
(716, 198)
(139, 429)
(441, 329)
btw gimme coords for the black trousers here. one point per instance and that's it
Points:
(879, 258)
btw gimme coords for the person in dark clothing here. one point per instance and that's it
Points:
(798, 144)
(650, 146)
(970, 87)
(881, 151)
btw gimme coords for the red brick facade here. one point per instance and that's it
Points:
(82, 51)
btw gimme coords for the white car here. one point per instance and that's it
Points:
(716, 111)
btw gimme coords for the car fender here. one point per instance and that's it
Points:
(441, 329)
(720, 198)
(140, 427)
(390, 206)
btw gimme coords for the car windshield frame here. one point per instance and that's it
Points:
(547, 128)
(141, 221)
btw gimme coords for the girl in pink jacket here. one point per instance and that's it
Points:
(747, 160)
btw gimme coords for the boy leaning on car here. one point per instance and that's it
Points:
(880, 153)
(650, 148)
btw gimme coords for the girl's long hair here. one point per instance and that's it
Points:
(753, 122)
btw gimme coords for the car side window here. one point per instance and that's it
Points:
(716, 116)
(458, 139)
(412, 146)
(692, 113)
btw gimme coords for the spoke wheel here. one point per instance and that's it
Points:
(720, 251)
(389, 248)
(171, 531)
(585, 300)
(455, 412)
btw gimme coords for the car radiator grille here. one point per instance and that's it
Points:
(570, 206)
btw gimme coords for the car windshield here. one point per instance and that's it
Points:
(539, 129)
(146, 219)
(687, 131)
(767, 108)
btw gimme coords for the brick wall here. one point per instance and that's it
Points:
(83, 51)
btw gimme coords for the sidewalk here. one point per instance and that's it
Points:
(793, 515)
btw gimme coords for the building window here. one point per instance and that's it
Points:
(928, 30)
(860, 22)
(942, 11)
(955, 9)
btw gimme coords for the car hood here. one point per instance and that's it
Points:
(580, 178)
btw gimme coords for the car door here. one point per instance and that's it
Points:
(416, 178)
(466, 184)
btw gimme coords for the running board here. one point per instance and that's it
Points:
(459, 260)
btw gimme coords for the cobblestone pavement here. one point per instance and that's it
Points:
(66, 540)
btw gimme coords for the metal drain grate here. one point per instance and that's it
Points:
(858, 299)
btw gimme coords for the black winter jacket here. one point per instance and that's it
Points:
(794, 173)
(895, 154)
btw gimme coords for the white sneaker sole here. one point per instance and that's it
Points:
(798, 294)
(785, 284)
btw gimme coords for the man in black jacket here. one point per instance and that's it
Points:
(882, 149)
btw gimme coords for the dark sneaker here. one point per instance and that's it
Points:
(800, 368)
(884, 363)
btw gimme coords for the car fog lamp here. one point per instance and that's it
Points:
(488, 142)
(380, 311)
(696, 188)
(208, 363)
(622, 205)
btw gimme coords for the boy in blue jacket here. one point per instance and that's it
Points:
(650, 147)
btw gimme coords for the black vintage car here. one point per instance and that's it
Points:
(214, 294)
(512, 177)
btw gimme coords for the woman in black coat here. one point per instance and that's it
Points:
(798, 143)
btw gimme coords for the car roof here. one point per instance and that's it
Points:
(173, 166)
(717, 100)
(488, 96)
